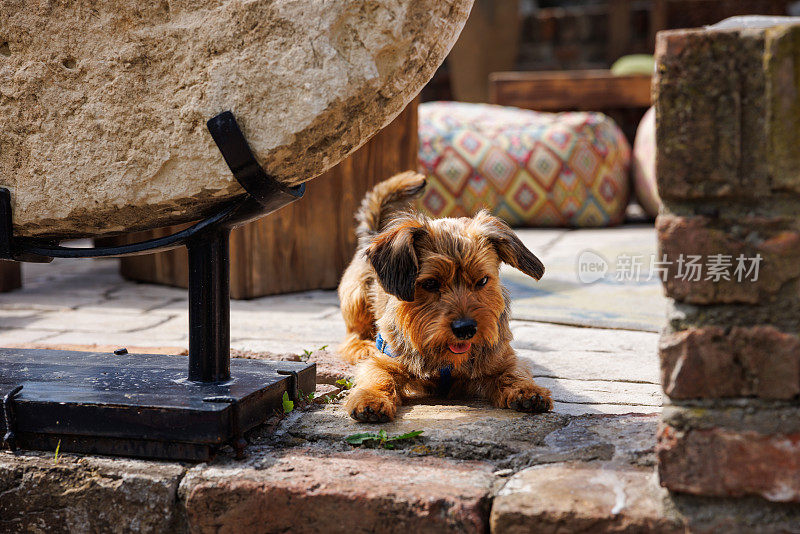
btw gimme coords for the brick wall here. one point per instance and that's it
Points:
(728, 167)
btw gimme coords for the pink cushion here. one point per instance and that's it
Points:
(644, 164)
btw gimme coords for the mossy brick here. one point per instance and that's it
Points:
(757, 415)
(710, 114)
(81, 494)
(782, 63)
(728, 112)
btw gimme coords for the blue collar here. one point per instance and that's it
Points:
(383, 346)
(445, 373)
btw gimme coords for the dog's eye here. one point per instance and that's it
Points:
(482, 282)
(431, 284)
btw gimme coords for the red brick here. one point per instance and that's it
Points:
(361, 491)
(709, 362)
(774, 239)
(726, 463)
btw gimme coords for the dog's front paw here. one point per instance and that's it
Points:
(370, 407)
(528, 398)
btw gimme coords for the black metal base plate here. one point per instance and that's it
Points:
(138, 404)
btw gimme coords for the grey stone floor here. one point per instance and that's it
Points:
(86, 302)
(474, 469)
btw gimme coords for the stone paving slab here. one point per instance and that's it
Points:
(561, 297)
(24, 299)
(278, 326)
(166, 294)
(464, 430)
(582, 497)
(597, 409)
(79, 321)
(593, 392)
(624, 239)
(126, 303)
(587, 353)
(475, 430)
(541, 240)
(146, 338)
(16, 336)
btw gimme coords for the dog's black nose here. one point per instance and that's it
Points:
(464, 328)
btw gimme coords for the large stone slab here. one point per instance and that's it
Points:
(473, 430)
(590, 497)
(103, 106)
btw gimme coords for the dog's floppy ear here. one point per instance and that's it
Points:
(508, 246)
(394, 258)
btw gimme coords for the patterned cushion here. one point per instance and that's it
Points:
(644, 164)
(529, 168)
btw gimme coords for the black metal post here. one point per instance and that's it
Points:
(209, 306)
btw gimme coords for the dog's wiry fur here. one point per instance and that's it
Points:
(384, 290)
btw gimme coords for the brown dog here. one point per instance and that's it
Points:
(428, 290)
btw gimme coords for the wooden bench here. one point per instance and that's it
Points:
(10, 276)
(623, 98)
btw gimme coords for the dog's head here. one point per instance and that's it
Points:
(443, 275)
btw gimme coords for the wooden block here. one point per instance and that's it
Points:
(306, 245)
(10, 276)
(619, 29)
(489, 42)
(581, 90)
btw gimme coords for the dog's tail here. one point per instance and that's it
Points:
(389, 196)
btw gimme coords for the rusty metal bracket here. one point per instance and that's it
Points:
(294, 383)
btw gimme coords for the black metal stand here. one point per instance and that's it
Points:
(140, 405)
(209, 312)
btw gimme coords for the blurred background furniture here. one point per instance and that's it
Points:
(571, 35)
(489, 42)
(623, 98)
(528, 168)
(307, 245)
(670, 14)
